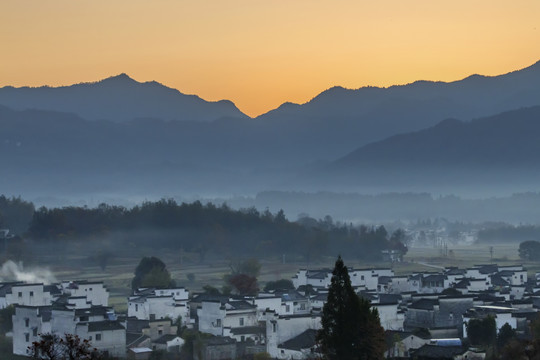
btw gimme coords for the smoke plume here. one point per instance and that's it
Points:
(11, 271)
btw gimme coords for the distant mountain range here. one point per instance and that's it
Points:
(499, 149)
(119, 135)
(119, 98)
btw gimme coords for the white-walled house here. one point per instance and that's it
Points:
(390, 315)
(221, 319)
(28, 323)
(20, 293)
(302, 346)
(156, 307)
(108, 336)
(360, 278)
(151, 303)
(95, 292)
(400, 343)
(502, 315)
(281, 328)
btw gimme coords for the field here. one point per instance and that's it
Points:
(118, 274)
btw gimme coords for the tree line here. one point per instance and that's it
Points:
(205, 228)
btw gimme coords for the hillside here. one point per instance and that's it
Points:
(119, 98)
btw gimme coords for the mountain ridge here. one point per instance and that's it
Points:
(119, 98)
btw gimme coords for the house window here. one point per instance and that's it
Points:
(84, 318)
(273, 327)
(241, 321)
(98, 337)
(136, 307)
(20, 294)
(34, 332)
(218, 323)
(287, 308)
(302, 306)
(362, 277)
(31, 293)
(27, 337)
(160, 332)
(26, 322)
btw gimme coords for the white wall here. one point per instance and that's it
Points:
(112, 341)
(211, 318)
(27, 324)
(390, 318)
(29, 295)
(95, 292)
(281, 328)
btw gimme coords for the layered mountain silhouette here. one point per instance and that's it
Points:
(496, 150)
(122, 135)
(118, 98)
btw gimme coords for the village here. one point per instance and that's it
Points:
(424, 314)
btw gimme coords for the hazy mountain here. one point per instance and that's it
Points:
(501, 149)
(118, 98)
(339, 120)
(48, 152)
(219, 150)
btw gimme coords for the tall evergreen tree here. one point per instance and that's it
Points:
(351, 330)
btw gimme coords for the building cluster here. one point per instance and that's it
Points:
(424, 313)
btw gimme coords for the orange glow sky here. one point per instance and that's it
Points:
(261, 53)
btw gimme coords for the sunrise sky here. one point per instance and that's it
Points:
(260, 54)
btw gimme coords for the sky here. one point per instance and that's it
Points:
(262, 53)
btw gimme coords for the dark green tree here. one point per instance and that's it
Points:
(350, 328)
(506, 334)
(529, 250)
(151, 272)
(282, 284)
(482, 331)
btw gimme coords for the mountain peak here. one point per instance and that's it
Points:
(120, 78)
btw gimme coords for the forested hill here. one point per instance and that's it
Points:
(210, 229)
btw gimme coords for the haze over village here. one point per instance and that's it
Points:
(258, 180)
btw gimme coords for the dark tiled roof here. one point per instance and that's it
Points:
(389, 298)
(241, 305)
(424, 304)
(391, 336)
(135, 325)
(104, 326)
(305, 340)
(93, 311)
(488, 269)
(438, 352)
(291, 295)
(53, 289)
(134, 340)
(506, 273)
(199, 298)
(455, 271)
(165, 338)
(248, 330)
(497, 280)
